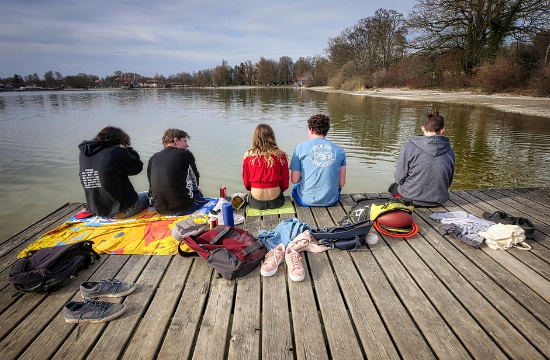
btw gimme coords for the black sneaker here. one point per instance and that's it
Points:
(106, 288)
(500, 217)
(91, 311)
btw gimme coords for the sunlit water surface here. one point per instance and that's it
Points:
(40, 131)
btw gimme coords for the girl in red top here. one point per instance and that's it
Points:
(265, 170)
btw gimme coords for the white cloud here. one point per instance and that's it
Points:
(166, 37)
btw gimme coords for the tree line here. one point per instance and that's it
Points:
(494, 45)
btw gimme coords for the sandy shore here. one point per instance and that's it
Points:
(526, 105)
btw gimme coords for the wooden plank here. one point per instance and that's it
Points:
(181, 334)
(149, 334)
(117, 333)
(59, 336)
(406, 336)
(246, 325)
(335, 317)
(276, 326)
(11, 248)
(523, 272)
(509, 196)
(428, 319)
(512, 285)
(213, 333)
(537, 195)
(30, 326)
(370, 328)
(460, 275)
(309, 337)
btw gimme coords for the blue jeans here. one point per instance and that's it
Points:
(299, 201)
(141, 204)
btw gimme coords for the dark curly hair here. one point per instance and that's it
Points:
(115, 135)
(320, 124)
(434, 122)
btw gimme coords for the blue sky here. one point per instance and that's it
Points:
(167, 37)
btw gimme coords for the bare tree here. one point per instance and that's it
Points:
(285, 70)
(373, 43)
(479, 28)
(267, 71)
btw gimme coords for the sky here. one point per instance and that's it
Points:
(166, 37)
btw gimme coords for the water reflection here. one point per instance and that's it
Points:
(39, 134)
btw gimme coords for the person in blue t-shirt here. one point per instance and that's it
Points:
(318, 166)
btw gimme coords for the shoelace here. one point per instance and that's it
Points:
(109, 282)
(272, 256)
(296, 261)
(92, 303)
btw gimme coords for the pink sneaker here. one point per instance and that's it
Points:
(294, 265)
(272, 261)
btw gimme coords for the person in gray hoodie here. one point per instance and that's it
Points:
(425, 167)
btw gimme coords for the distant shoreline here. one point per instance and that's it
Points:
(525, 105)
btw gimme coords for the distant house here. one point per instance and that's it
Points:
(125, 82)
(303, 81)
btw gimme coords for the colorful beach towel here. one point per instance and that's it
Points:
(146, 233)
(287, 208)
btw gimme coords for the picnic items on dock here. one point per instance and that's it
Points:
(146, 233)
(390, 216)
(238, 200)
(49, 268)
(501, 217)
(462, 226)
(232, 252)
(505, 236)
(93, 311)
(283, 233)
(345, 237)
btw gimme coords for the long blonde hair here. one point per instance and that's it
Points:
(264, 144)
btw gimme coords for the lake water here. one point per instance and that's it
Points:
(40, 131)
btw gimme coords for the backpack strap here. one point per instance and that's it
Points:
(256, 245)
(221, 234)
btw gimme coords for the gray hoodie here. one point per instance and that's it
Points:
(425, 169)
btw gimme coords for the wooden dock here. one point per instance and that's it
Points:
(426, 297)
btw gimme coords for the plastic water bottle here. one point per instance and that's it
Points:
(227, 213)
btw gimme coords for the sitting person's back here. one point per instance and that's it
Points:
(425, 167)
(318, 166)
(265, 170)
(173, 176)
(105, 164)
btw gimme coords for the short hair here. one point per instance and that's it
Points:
(320, 124)
(170, 134)
(434, 122)
(114, 135)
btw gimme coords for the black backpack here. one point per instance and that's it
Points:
(48, 268)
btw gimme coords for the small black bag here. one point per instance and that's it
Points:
(346, 237)
(48, 268)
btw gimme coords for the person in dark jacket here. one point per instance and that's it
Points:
(425, 167)
(173, 176)
(106, 162)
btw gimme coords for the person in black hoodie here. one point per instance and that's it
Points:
(105, 164)
(426, 164)
(173, 176)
